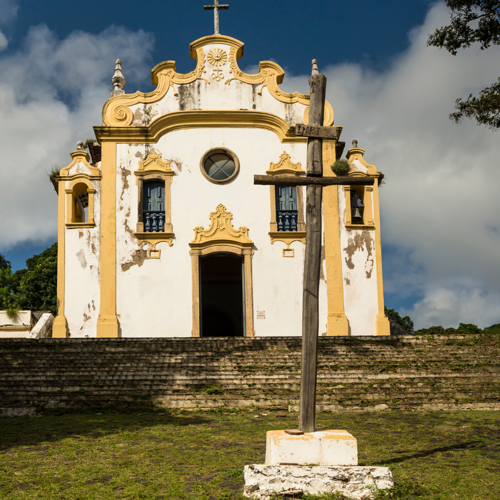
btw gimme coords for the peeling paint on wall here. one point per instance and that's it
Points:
(81, 257)
(357, 243)
(125, 186)
(138, 258)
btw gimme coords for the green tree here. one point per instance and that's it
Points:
(8, 288)
(37, 289)
(33, 288)
(473, 21)
(405, 321)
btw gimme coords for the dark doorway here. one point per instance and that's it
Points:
(221, 296)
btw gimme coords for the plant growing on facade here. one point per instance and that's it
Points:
(341, 167)
(53, 173)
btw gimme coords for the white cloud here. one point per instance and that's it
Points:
(3, 41)
(450, 306)
(440, 206)
(51, 94)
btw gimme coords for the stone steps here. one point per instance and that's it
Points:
(204, 373)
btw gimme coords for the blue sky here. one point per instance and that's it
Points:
(440, 231)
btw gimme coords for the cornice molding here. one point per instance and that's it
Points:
(179, 120)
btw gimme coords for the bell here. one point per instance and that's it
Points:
(357, 214)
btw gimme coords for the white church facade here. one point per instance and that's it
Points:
(162, 232)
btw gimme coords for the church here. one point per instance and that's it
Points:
(163, 233)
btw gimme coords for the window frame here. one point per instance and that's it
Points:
(225, 151)
(72, 203)
(286, 166)
(154, 168)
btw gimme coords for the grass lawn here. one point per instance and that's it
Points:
(187, 455)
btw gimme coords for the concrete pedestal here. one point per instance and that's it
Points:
(333, 447)
(360, 483)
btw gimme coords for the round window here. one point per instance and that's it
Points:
(219, 165)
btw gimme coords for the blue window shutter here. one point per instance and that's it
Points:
(286, 208)
(154, 206)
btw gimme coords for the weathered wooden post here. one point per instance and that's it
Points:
(312, 261)
(314, 181)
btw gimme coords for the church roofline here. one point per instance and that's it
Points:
(207, 40)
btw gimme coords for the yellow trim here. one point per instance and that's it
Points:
(287, 237)
(364, 192)
(337, 322)
(116, 111)
(327, 120)
(70, 202)
(383, 327)
(221, 232)
(154, 164)
(357, 154)
(181, 120)
(60, 326)
(154, 167)
(221, 237)
(360, 226)
(153, 239)
(286, 166)
(80, 156)
(107, 324)
(79, 225)
(270, 75)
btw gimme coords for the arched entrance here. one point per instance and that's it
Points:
(222, 297)
(221, 259)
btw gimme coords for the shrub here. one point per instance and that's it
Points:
(341, 167)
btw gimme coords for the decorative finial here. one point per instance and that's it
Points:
(118, 80)
(79, 145)
(315, 70)
(355, 143)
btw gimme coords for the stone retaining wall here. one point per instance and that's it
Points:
(360, 374)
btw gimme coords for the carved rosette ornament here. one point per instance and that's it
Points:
(217, 58)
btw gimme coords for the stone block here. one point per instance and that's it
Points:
(332, 447)
(359, 483)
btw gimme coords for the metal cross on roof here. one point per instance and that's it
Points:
(215, 7)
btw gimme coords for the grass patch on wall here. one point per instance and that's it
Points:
(200, 455)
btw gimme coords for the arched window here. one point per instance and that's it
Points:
(286, 208)
(357, 207)
(358, 213)
(80, 203)
(153, 214)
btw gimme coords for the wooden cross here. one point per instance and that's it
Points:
(215, 7)
(314, 181)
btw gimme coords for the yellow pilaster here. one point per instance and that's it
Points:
(60, 326)
(383, 326)
(337, 323)
(107, 324)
